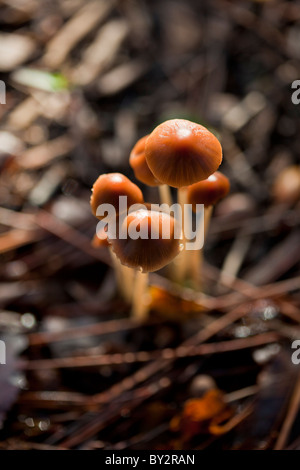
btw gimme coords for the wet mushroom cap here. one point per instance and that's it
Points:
(209, 191)
(138, 163)
(109, 187)
(180, 153)
(157, 245)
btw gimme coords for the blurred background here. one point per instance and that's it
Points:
(83, 81)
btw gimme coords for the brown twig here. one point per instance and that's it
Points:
(293, 409)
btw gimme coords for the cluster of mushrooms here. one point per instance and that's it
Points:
(180, 154)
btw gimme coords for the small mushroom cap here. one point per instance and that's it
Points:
(158, 246)
(109, 187)
(286, 188)
(209, 191)
(180, 153)
(138, 163)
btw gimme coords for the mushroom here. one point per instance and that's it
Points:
(142, 172)
(207, 192)
(180, 153)
(150, 240)
(107, 189)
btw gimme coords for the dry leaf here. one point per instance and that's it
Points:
(202, 415)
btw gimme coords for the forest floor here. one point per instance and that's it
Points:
(210, 369)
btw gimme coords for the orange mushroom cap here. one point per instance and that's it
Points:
(180, 153)
(209, 191)
(151, 253)
(109, 187)
(138, 163)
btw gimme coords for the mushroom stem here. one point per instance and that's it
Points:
(140, 305)
(180, 263)
(124, 277)
(165, 194)
(196, 258)
(207, 216)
